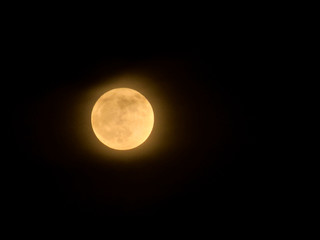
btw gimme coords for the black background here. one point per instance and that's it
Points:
(213, 76)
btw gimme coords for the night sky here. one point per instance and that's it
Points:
(205, 159)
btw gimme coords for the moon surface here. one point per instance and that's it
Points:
(122, 118)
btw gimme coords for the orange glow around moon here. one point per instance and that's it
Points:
(122, 119)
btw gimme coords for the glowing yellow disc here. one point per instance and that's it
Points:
(122, 119)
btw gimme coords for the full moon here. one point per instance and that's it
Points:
(122, 118)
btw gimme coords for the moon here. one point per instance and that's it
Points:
(122, 119)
